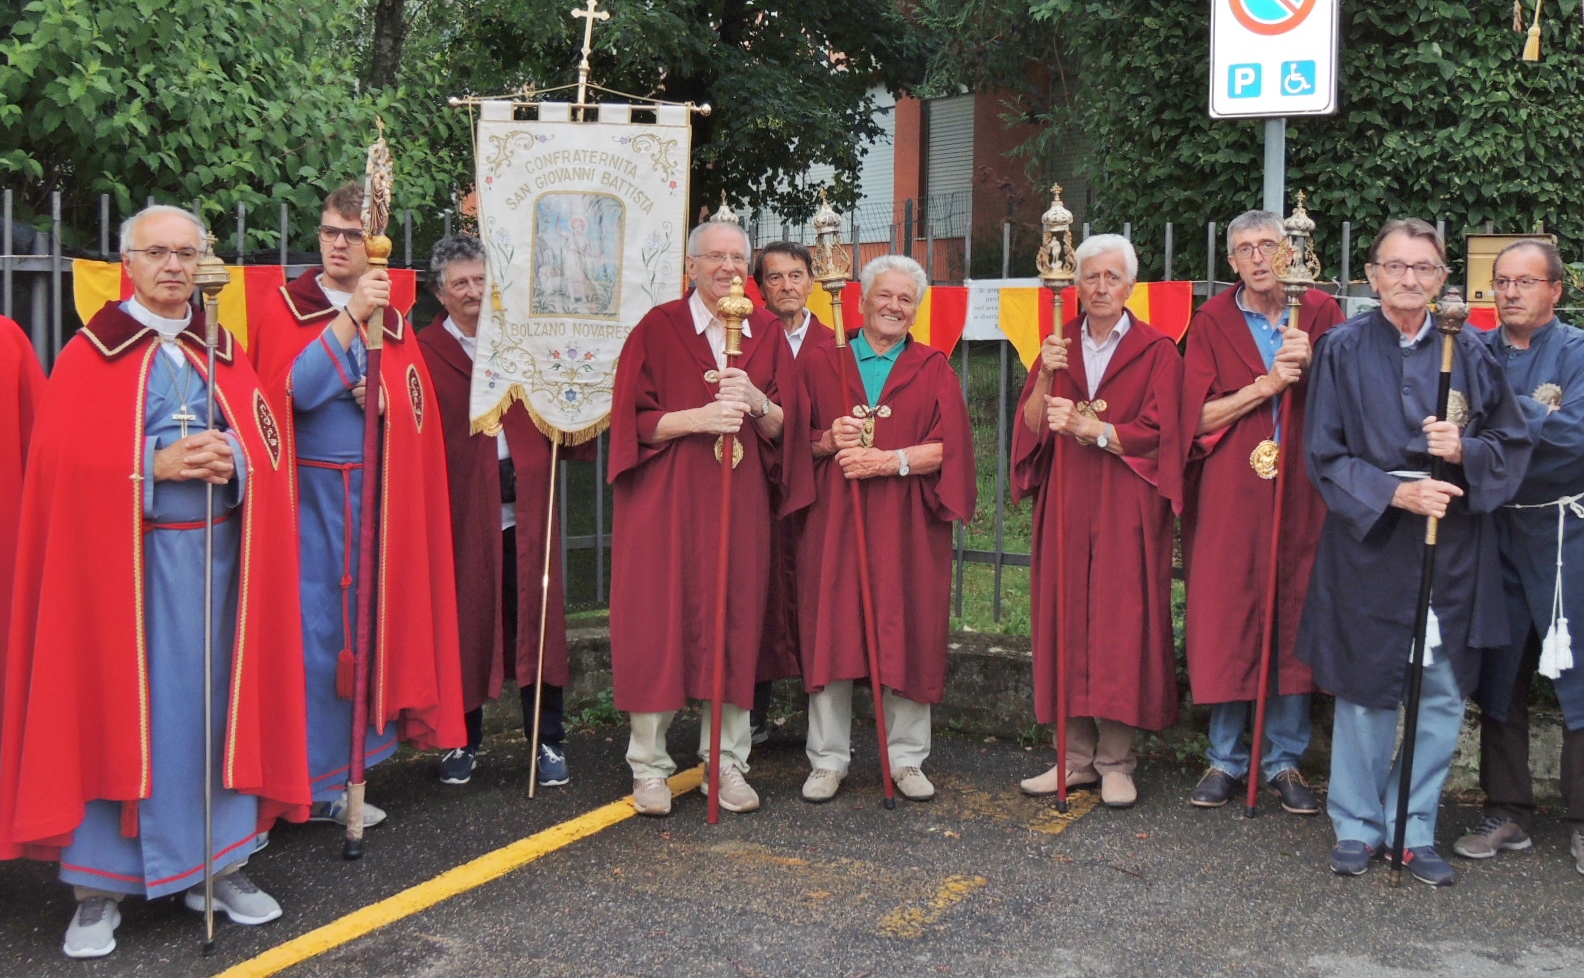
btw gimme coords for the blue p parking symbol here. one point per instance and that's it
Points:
(1243, 81)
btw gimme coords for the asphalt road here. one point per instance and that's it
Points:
(981, 881)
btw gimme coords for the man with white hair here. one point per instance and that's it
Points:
(675, 397)
(102, 752)
(1113, 415)
(1243, 357)
(911, 446)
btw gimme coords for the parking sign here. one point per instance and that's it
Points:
(1273, 58)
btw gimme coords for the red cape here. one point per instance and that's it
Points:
(909, 524)
(779, 657)
(1227, 522)
(21, 388)
(416, 678)
(473, 469)
(664, 554)
(76, 728)
(1117, 568)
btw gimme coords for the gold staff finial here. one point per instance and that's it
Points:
(1056, 262)
(833, 266)
(589, 15)
(725, 215)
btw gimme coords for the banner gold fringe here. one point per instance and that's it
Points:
(489, 423)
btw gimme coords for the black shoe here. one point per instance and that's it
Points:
(1214, 789)
(1295, 794)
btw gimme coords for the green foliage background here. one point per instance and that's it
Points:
(1438, 118)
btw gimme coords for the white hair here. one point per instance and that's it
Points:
(1104, 244)
(895, 263)
(696, 237)
(1255, 221)
(129, 226)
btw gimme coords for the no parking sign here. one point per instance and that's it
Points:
(1273, 58)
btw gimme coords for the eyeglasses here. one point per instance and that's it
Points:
(328, 233)
(1246, 251)
(722, 257)
(159, 255)
(1423, 269)
(1526, 283)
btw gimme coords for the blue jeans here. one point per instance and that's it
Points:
(1365, 772)
(1286, 735)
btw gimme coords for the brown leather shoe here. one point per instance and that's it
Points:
(652, 796)
(1046, 784)
(1117, 790)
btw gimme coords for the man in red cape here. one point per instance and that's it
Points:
(675, 396)
(1242, 356)
(784, 271)
(500, 487)
(917, 473)
(310, 355)
(1112, 413)
(21, 385)
(101, 760)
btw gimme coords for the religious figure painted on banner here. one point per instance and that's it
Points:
(577, 249)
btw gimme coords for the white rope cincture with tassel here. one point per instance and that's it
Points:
(1556, 651)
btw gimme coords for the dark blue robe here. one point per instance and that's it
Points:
(1368, 399)
(1528, 536)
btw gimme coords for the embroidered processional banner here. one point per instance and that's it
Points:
(584, 227)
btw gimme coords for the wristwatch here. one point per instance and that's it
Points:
(1105, 438)
(902, 462)
(764, 408)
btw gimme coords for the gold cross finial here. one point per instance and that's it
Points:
(590, 15)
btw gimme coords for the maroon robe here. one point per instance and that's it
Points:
(909, 524)
(668, 497)
(1118, 565)
(473, 471)
(778, 647)
(1227, 519)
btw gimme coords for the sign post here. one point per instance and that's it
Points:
(1271, 59)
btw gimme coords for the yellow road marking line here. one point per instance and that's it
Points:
(1052, 822)
(911, 921)
(452, 882)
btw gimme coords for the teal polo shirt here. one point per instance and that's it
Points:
(874, 368)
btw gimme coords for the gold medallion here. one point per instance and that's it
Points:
(1457, 408)
(737, 450)
(1549, 394)
(883, 411)
(1091, 409)
(712, 376)
(1263, 459)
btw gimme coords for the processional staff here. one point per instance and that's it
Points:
(1057, 269)
(732, 309)
(1450, 314)
(376, 217)
(210, 277)
(1297, 267)
(833, 270)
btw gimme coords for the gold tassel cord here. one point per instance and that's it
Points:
(1518, 17)
(1531, 51)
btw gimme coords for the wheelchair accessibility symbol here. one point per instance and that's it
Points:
(1297, 77)
(1271, 17)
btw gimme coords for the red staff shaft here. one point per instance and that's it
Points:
(367, 584)
(718, 666)
(1270, 637)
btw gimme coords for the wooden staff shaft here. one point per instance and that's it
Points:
(1059, 476)
(367, 585)
(544, 616)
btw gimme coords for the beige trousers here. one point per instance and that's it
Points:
(830, 728)
(1099, 746)
(646, 747)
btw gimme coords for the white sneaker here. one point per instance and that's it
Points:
(821, 785)
(736, 794)
(913, 784)
(335, 811)
(91, 933)
(240, 899)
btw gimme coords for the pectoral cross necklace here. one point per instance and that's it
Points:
(184, 415)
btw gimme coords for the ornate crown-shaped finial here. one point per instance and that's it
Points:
(1451, 311)
(1057, 217)
(725, 215)
(211, 275)
(826, 220)
(1299, 221)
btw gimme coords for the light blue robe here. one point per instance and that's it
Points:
(329, 429)
(167, 854)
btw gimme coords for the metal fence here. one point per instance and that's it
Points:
(35, 279)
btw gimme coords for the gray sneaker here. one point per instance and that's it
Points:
(1578, 850)
(652, 796)
(239, 898)
(91, 933)
(736, 794)
(1493, 834)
